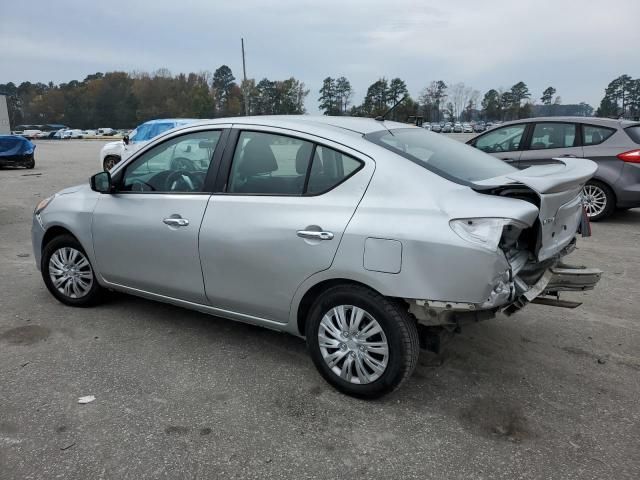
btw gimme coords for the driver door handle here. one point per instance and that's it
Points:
(508, 160)
(312, 234)
(176, 221)
(568, 155)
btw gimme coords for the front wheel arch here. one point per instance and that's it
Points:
(110, 158)
(54, 232)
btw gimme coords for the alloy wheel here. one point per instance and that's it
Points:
(353, 344)
(70, 272)
(594, 199)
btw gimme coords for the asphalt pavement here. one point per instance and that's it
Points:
(547, 393)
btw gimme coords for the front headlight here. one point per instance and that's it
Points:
(43, 204)
(484, 232)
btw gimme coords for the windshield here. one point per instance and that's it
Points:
(448, 158)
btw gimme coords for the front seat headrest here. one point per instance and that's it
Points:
(257, 157)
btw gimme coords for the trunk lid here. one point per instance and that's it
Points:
(559, 187)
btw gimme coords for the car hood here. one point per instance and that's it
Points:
(559, 188)
(74, 189)
(117, 143)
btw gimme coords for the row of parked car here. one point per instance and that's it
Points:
(65, 133)
(457, 127)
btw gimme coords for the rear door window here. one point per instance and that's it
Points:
(553, 135)
(271, 164)
(592, 135)
(264, 163)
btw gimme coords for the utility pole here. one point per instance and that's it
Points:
(244, 83)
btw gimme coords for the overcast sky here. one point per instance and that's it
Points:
(577, 46)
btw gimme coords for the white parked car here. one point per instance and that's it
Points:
(113, 152)
(72, 133)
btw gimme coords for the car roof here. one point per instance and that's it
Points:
(179, 121)
(610, 122)
(358, 125)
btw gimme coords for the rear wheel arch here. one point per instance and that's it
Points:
(312, 294)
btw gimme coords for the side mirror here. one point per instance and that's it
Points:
(125, 139)
(101, 182)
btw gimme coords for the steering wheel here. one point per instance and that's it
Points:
(182, 163)
(182, 181)
(138, 185)
(498, 148)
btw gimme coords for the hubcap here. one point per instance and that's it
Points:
(70, 272)
(353, 344)
(594, 200)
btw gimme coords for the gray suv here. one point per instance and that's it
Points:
(613, 144)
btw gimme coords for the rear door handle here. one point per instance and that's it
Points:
(312, 234)
(176, 221)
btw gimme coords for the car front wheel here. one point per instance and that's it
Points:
(110, 162)
(362, 343)
(68, 274)
(598, 199)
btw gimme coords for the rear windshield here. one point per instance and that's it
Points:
(634, 133)
(444, 156)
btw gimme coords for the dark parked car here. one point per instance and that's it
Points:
(16, 151)
(479, 127)
(613, 144)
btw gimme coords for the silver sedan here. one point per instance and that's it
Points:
(371, 239)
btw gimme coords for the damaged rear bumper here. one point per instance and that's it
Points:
(559, 278)
(521, 284)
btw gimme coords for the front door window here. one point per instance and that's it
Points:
(505, 139)
(178, 165)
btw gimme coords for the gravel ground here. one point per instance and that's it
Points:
(548, 393)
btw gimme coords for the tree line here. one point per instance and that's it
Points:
(439, 101)
(124, 100)
(621, 98)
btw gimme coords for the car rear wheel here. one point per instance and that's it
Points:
(362, 343)
(68, 274)
(110, 162)
(598, 199)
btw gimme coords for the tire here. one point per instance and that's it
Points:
(600, 201)
(31, 163)
(66, 247)
(398, 332)
(109, 162)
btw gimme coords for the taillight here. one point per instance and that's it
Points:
(632, 156)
